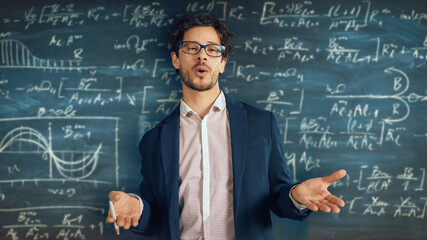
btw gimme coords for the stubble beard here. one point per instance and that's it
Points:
(186, 79)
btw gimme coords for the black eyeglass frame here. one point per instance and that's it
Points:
(221, 48)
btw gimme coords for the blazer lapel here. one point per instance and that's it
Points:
(169, 145)
(238, 130)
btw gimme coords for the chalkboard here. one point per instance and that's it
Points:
(82, 81)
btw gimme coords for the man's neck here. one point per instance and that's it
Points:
(200, 101)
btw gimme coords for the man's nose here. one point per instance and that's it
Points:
(202, 54)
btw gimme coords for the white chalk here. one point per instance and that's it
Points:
(113, 214)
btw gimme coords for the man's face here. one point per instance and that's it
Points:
(199, 72)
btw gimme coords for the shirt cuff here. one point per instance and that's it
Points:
(298, 205)
(141, 205)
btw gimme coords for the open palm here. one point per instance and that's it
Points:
(314, 193)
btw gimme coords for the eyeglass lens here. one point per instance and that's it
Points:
(194, 48)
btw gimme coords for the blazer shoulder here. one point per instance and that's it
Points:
(256, 113)
(251, 110)
(255, 110)
(154, 133)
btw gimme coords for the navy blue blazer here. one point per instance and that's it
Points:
(261, 180)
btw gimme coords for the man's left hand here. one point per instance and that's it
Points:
(314, 193)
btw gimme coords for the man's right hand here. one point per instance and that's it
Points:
(127, 209)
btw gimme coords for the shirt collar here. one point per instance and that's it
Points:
(219, 105)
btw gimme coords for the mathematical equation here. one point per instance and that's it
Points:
(31, 224)
(376, 184)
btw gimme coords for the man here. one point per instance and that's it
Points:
(214, 168)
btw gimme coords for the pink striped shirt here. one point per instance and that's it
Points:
(205, 173)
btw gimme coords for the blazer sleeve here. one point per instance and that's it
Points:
(280, 180)
(147, 220)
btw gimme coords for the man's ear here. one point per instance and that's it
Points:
(223, 62)
(175, 60)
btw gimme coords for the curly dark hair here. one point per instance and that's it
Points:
(192, 19)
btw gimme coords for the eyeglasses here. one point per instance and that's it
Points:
(193, 48)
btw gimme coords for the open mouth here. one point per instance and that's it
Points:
(201, 71)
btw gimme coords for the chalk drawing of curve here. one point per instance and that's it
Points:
(14, 54)
(68, 169)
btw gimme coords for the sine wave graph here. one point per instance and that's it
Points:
(77, 168)
(14, 54)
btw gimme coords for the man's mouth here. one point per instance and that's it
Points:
(201, 71)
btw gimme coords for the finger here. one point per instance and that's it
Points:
(120, 221)
(335, 209)
(322, 206)
(135, 221)
(109, 218)
(114, 196)
(331, 206)
(127, 223)
(310, 206)
(335, 176)
(335, 200)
